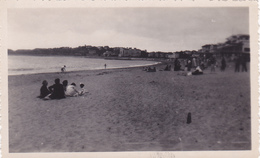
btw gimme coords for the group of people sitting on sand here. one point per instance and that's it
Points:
(177, 67)
(150, 69)
(60, 91)
(168, 68)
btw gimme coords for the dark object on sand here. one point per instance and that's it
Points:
(189, 118)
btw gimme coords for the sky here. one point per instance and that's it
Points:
(152, 29)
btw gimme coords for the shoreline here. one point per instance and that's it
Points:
(79, 71)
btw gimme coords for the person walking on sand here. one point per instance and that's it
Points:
(44, 91)
(105, 66)
(57, 90)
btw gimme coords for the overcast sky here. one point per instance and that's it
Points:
(153, 29)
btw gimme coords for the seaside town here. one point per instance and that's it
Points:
(233, 45)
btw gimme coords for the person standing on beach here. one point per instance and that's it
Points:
(177, 65)
(105, 66)
(189, 65)
(212, 64)
(243, 63)
(237, 63)
(57, 90)
(223, 64)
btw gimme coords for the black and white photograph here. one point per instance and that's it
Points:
(130, 79)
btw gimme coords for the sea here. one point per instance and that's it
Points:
(23, 64)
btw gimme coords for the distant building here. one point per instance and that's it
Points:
(92, 51)
(238, 44)
(109, 54)
(129, 52)
(106, 47)
(173, 55)
(151, 55)
(209, 48)
(234, 44)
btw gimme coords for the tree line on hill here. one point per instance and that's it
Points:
(78, 51)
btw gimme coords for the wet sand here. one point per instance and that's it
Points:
(132, 110)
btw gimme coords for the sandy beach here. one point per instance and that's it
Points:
(132, 110)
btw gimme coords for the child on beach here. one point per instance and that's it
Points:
(82, 90)
(44, 91)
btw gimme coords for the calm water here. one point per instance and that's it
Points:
(18, 65)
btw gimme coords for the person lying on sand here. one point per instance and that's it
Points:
(72, 91)
(197, 71)
(44, 91)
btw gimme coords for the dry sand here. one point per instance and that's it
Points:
(132, 110)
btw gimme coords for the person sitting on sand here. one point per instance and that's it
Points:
(71, 90)
(145, 68)
(197, 71)
(57, 91)
(65, 84)
(82, 91)
(150, 69)
(44, 91)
